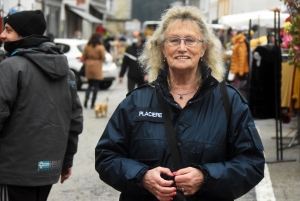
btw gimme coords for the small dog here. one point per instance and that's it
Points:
(101, 108)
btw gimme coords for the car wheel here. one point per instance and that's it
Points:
(105, 85)
(78, 81)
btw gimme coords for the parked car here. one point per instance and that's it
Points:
(73, 48)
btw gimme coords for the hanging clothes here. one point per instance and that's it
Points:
(287, 73)
(239, 59)
(265, 76)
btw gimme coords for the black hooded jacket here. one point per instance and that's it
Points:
(131, 61)
(40, 115)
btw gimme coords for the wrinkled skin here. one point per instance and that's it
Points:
(190, 179)
(187, 179)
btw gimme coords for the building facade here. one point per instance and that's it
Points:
(214, 9)
(227, 7)
(209, 8)
(12, 6)
(120, 13)
(65, 17)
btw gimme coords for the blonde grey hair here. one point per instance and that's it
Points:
(152, 57)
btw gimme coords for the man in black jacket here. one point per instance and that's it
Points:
(40, 112)
(135, 74)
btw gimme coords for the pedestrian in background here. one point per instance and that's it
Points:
(220, 150)
(78, 34)
(93, 55)
(135, 74)
(40, 112)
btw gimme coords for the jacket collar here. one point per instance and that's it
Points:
(31, 41)
(207, 85)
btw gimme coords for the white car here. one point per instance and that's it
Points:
(73, 48)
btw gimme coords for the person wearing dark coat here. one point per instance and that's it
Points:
(40, 111)
(222, 157)
(135, 74)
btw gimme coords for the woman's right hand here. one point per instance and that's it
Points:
(158, 186)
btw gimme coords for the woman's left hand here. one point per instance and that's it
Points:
(162, 189)
(189, 180)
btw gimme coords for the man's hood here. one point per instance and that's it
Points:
(48, 58)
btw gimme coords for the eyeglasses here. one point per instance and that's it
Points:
(189, 41)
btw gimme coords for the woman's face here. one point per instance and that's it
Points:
(182, 56)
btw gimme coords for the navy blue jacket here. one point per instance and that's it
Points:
(134, 141)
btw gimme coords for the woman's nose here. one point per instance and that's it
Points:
(182, 45)
(2, 35)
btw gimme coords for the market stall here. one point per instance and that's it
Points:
(262, 18)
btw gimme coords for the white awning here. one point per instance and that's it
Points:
(85, 15)
(99, 8)
(263, 18)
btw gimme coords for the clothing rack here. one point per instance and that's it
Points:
(295, 137)
(277, 88)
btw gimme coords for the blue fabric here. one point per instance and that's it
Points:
(128, 148)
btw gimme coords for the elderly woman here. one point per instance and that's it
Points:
(219, 163)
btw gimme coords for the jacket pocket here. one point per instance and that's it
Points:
(256, 138)
(147, 151)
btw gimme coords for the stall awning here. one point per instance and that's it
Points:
(85, 15)
(98, 8)
(263, 18)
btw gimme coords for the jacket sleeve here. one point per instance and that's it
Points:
(244, 167)
(8, 91)
(125, 64)
(76, 125)
(112, 155)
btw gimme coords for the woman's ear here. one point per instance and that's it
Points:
(162, 50)
(204, 47)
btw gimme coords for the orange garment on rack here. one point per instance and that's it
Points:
(296, 89)
(287, 73)
(239, 59)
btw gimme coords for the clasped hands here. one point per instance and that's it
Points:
(188, 180)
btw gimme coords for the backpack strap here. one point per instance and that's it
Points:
(170, 133)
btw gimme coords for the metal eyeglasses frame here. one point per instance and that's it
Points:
(184, 39)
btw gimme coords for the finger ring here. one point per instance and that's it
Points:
(182, 189)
